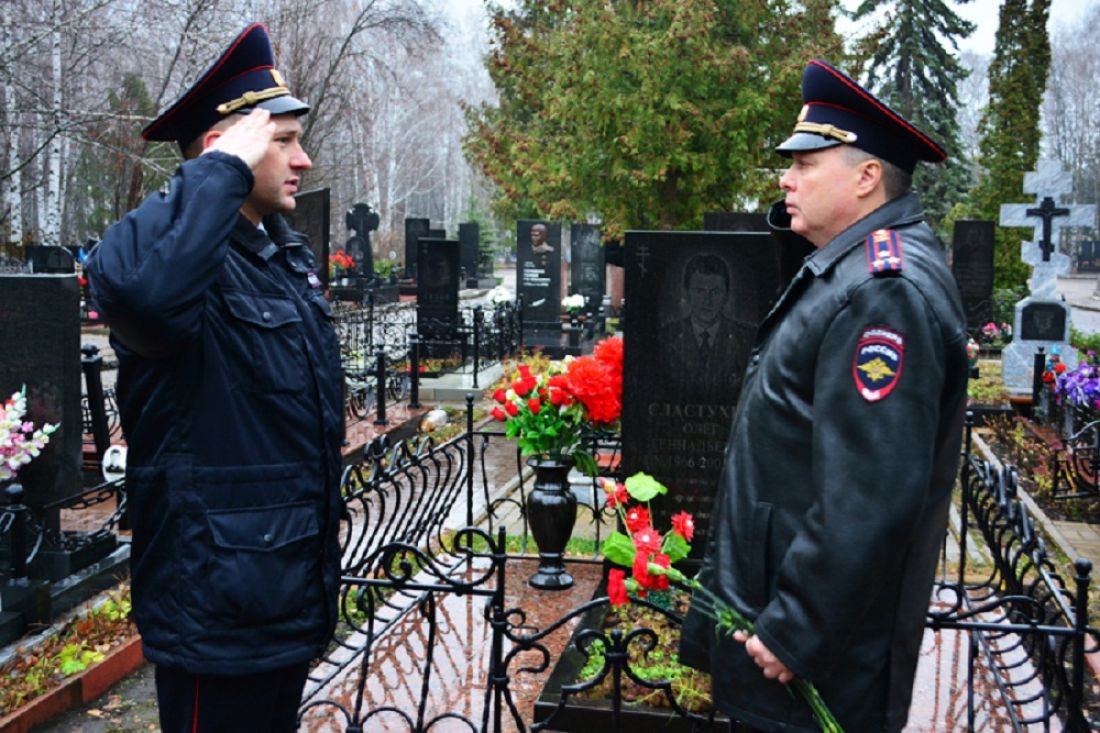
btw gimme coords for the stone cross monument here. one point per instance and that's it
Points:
(1042, 318)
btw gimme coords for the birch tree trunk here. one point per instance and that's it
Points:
(13, 201)
(51, 229)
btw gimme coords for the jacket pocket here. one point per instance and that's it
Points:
(274, 343)
(264, 563)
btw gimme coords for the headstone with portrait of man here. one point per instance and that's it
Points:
(538, 280)
(693, 302)
(587, 273)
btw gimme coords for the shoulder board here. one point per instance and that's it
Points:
(884, 254)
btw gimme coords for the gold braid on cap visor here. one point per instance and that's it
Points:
(249, 99)
(818, 128)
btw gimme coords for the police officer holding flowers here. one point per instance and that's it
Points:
(839, 470)
(229, 392)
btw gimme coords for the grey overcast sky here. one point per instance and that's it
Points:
(984, 13)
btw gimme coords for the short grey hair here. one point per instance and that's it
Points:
(896, 182)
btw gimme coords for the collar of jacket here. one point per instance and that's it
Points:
(266, 242)
(902, 211)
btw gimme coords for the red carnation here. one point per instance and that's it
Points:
(609, 352)
(617, 495)
(647, 540)
(592, 384)
(500, 396)
(499, 414)
(521, 387)
(660, 582)
(684, 525)
(641, 570)
(524, 371)
(616, 587)
(534, 405)
(511, 409)
(637, 517)
(1059, 368)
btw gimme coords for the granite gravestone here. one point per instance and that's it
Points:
(361, 220)
(972, 265)
(414, 230)
(311, 218)
(789, 253)
(45, 260)
(587, 270)
(469, 237)
(693, 300)
(437, 293)
(40, 331)
(1088, 255)
(437, 233)
(538, 246)
(1046, 217)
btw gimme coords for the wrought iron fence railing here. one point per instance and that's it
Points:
(1027, 628)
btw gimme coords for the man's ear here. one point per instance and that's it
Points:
(209, 137)
(870, 177)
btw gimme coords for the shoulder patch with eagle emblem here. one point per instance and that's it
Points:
(877, 364)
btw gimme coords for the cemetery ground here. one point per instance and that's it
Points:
(128, 706)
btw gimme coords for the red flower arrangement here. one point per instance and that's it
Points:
(339, 262)
(649, 555)
(549, 413)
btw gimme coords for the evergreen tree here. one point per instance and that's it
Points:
(1009, 128)
(644, 114)
(913, 67)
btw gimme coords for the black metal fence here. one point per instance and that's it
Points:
(414, 592)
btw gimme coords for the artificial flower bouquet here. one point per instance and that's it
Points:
(649, 556)
(339, 262)
(549, 413)
(20, 442)
(573, 304)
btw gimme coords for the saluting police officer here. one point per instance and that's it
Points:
(229, 391)
(834, 497)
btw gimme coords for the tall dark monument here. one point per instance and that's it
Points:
(972, 265)
(361, 220)
(587, 270)
(414, 230)
(40, 333)
(693, 302)
(437, 292)
(538, 280)
(311, 218)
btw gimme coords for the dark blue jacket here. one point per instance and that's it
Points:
(229, 387)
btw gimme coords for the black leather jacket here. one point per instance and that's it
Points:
(229, 389)
(839, 469)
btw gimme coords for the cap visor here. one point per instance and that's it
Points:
(285, 105)
(801, 142)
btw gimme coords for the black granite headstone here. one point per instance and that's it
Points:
(437, 290)
(972, 265)
(361, 220)
(469, 237)
(538, 245)
(311, 218)
(437, 233)
(40, 333)
(414, 230)
(789, 253)
(1088, 255)
(50, 260)
(586, 273)
(693, 300)
(1043, 322)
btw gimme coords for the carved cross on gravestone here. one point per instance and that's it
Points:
(1049, 183)
(1047, 211)
(361, 220)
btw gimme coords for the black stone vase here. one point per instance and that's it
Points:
(551, 514)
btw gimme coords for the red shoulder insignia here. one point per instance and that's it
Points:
(883, 252)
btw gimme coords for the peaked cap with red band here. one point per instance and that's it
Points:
(838, 111)
(243, 78)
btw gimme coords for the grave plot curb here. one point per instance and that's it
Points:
(79, 690)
